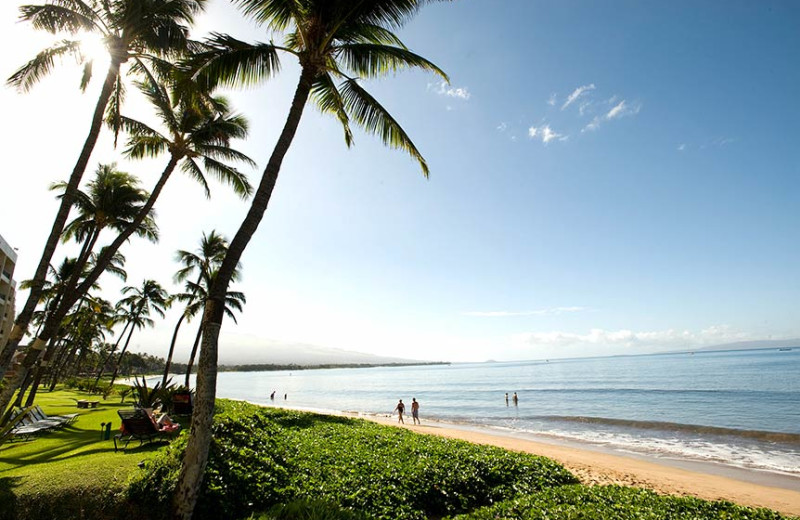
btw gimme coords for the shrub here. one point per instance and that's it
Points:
(613, 503)
(263, 457)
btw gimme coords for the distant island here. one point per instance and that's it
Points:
(267, 367)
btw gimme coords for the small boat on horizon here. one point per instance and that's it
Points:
(784, 349)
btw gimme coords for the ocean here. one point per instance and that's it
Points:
(739, 409)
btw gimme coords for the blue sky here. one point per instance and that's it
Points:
(617, 177)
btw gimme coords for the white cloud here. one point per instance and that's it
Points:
(578, 92)
(552, 100)
(545, 133)
(502, 127)
(717, 334)
(682, 147)
(443, 89)
(538, 312)
(623, 109)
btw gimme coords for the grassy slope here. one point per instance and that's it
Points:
(73, 460)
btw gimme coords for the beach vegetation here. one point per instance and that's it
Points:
(613, 503)
(134, 33)
(337, 43)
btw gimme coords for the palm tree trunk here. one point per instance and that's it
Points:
(121, 354)
(11, 383)
(193, 354)
(108, 356)
(171, 351)
(196, 454)
(44, 366)
(24, 317)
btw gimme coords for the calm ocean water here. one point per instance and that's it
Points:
(738, 408)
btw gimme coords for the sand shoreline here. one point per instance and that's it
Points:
(594, 467)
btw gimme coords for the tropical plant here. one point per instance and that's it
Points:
(202, 261)
(196, 295)
(332, 40)
(146, 397)
(138, 31)
(201, 128)
(136, 309)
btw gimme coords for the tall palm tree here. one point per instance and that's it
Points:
(200, 130)
(202, 261)
(135, 31)
(196, 295)
(333, 40)
(151, 297)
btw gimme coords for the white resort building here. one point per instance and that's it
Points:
(8, 259)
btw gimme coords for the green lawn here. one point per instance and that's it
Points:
(73, 458)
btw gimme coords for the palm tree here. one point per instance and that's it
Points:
(201, 129)
(332, 40)
(205, 259)
(137, 31)
(196, 296)
(136, 308)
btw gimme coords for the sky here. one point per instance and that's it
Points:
(606, 178)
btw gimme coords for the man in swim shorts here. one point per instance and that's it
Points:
(415, 410)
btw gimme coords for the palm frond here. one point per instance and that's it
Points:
(329, 100)
(371, 60)
(55, 18)
(228, 61)
(42, 64)
(229, 175)
(191, 168)
(375, 119)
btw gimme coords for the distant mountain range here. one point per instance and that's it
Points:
(275, 353)
(748, 345)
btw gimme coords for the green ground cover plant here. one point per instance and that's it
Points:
(263, 457)
(612, 503)
(270, 464)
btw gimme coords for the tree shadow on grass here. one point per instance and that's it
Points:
(8, 498)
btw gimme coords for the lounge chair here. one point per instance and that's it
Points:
(63, 419)
(23, 426)
(137, 424)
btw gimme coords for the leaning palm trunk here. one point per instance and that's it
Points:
(24, 317)
(10, 384)
(172, 344)
(111, 352)
(196, 455)
(193, 355)
(122, 354)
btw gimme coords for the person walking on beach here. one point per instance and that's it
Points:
(400, 408)
(516, 399)
(415, 411)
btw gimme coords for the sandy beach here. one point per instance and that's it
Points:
(603, 468)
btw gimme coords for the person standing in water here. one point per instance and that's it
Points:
(415, 410)
(506, 398)
(516, 399)
(400, 408)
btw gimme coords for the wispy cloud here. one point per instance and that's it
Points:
(538, 312)
(552, 100)
(619, 110)
(682, 147)
(502, 127)
(443, 89)
(578, 92)
(716, 334)
(623, 109)
(545, 134)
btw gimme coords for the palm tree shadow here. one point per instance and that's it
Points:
(305, 420)
(7, 497)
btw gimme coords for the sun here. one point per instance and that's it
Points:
(93, 48)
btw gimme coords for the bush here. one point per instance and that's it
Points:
(316, 510)
(263, 457)
(613, 503)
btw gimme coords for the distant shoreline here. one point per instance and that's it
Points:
(269, 367)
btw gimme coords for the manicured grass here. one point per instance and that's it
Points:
(71, 461)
